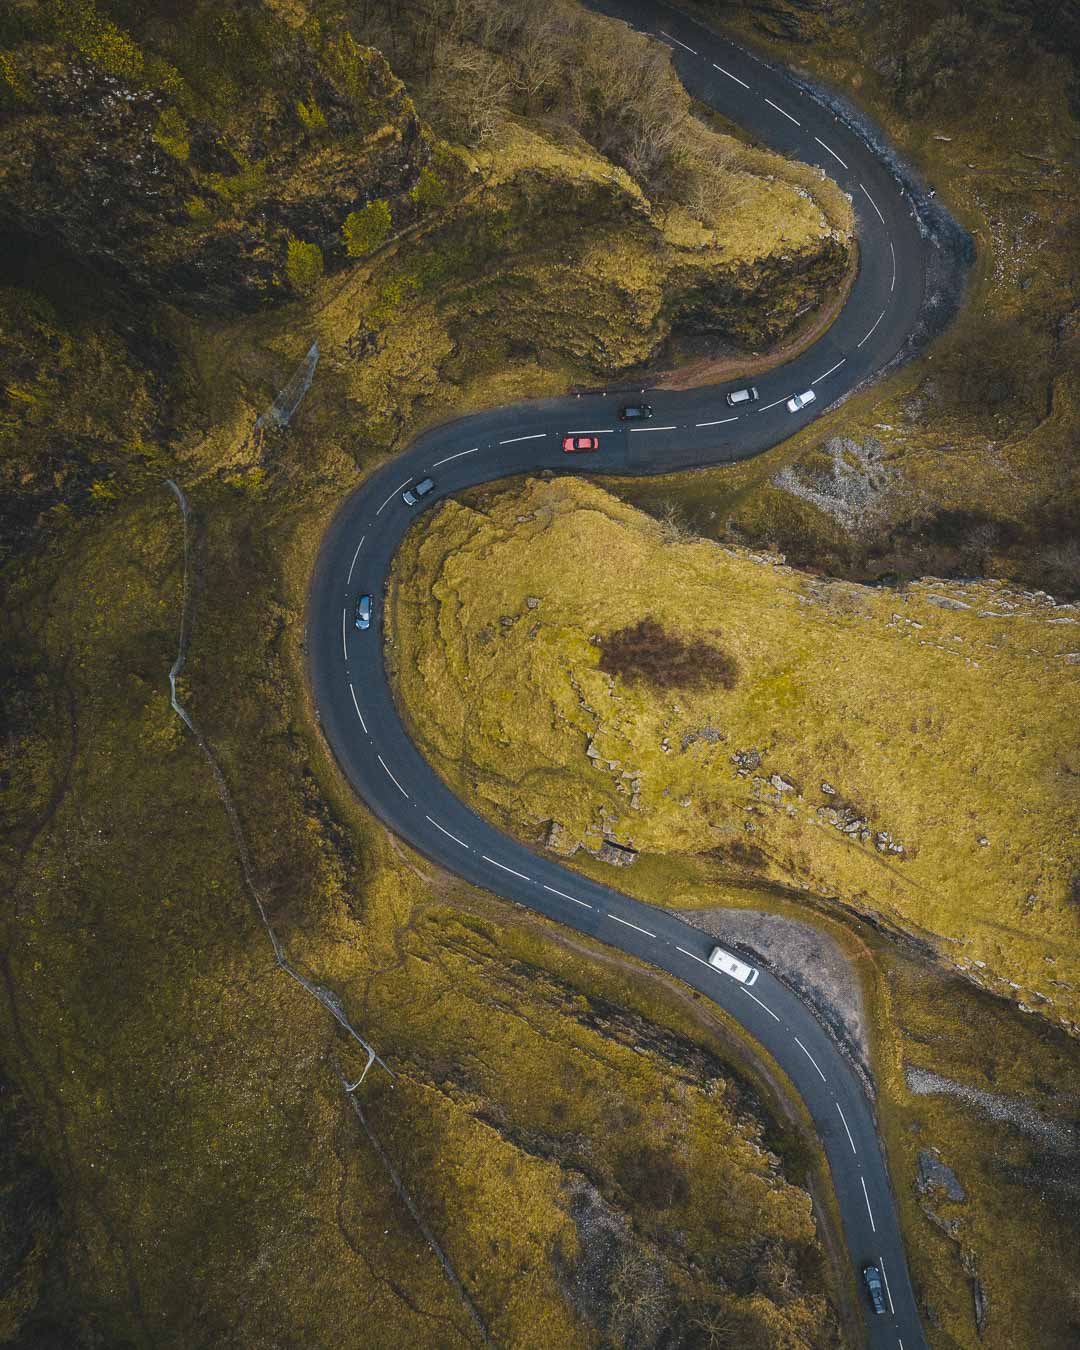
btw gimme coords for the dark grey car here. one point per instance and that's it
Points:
(412, 495)
(875, 1287)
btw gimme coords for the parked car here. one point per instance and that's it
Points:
(636, 412)
(363, 611)
(875, 1287)
(571, 444)
(412, 495)
(799, 401)
(731, 965)
(737, 396)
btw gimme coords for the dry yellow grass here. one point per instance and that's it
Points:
(931, 715)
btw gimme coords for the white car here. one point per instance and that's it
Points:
(731, 965)
(799, 401)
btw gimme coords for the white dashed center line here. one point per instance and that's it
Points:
(344, 622)
(830, 150)
(846, 1130)
(866, 1197)
(457, 456)
(873, 204)
(693, 957)
(782, 112)
(447, 833)
(810, 1057)
(536, 436)
(759, 1002)
(568, 897)
(830, 370)
(892, 284)
(603, 431)
(772, 405)
(392, 778)
(729, 75)
(395, 493)
(504, 868)
(892, 1307)
(356, 555)
(654, 428)
(677, 42)
(722, 422)
(357, 707)
(871, 332)
(626, 923)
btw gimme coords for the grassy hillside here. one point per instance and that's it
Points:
(180, 1165)
(578, 663)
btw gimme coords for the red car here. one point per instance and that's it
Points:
(572, 444)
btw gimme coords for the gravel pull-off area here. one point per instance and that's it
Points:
(1007, 1110)
(810, 961)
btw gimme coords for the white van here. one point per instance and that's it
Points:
(731, 965)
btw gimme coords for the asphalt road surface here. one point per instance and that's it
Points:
(690, 428)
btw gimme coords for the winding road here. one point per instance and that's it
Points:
(690, 428)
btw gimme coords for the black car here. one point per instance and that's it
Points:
(875, 1287)
(636, 412)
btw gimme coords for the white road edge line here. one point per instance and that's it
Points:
(729, 75)
(677, 42)
(504, 868)
(447, 461)
(722, 422)
(871, 332)
(356, 555)
(830, 370)
(632, 429)
(628, 924)
(395, 493)
(846, 1130)
(447, 833)
(694, 958)
(392, 778)
(782, 113)
(759, 1002)
(811, 1058)
(830, 150)
(568, 897)
(892, 286)
(874, 205)
(866, 1197)
(536, 436)
(357, 707)
(892, 1306)
(773, 405)
(344, 645)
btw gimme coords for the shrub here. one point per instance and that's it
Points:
(645, 653)
(429, 191)
(365, 230)
(312, 116)
(303, 266)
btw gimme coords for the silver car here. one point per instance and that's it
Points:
(799, 401)
(412, 495)
(737, 396)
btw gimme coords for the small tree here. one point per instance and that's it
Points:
(365, 230)
(303, 266)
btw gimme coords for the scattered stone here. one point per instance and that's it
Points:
(618, 855)
(746, 761)
(946, 602)
(933, 1174)
(558, 841)
(781, 784)
(532, 601)
(828, 789)
(982, 841)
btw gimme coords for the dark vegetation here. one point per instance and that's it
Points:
(646, 652)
